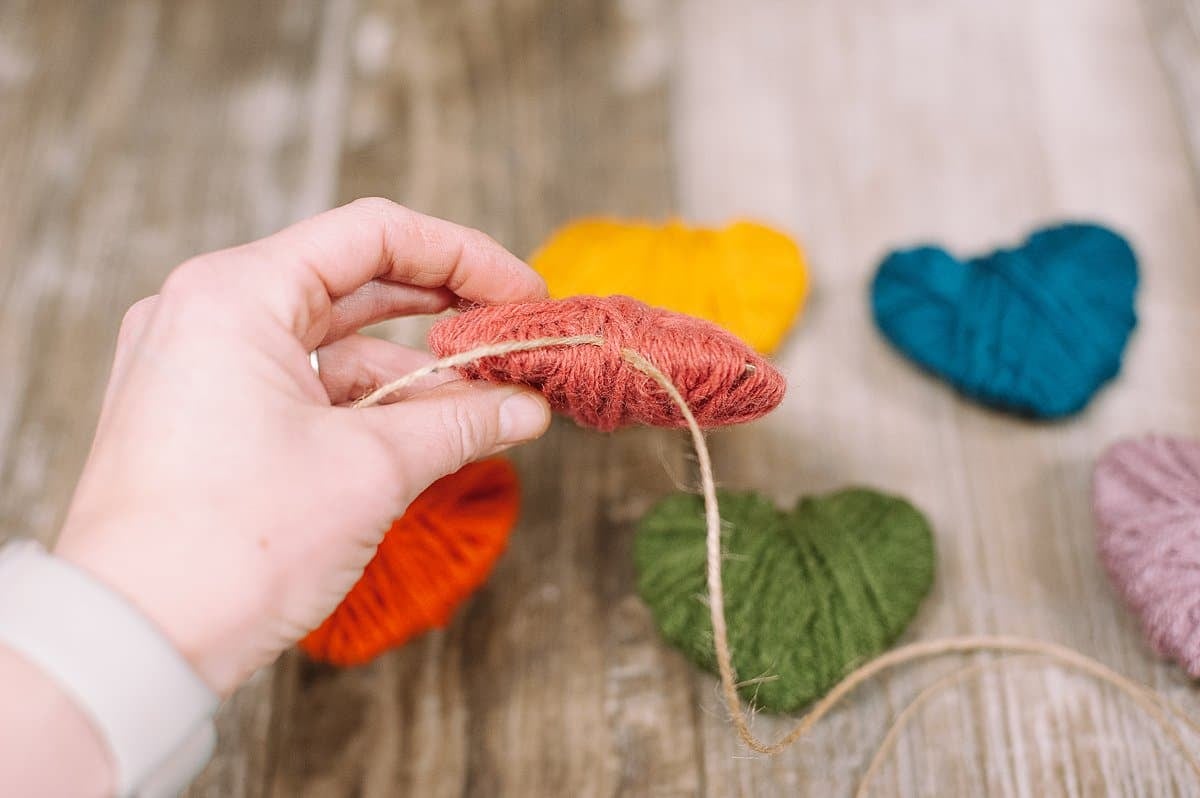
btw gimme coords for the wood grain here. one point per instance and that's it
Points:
(1174, 27)
(507, 116)
(134, 134)
(964, 123)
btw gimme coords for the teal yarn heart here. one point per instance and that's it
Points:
(1034, 330)
(809, 593)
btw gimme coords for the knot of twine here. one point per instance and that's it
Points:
(1149, 701)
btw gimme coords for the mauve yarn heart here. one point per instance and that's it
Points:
(1146, 496)
(1035, 330)
(722, 380)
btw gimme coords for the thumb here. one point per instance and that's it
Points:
(438, 432)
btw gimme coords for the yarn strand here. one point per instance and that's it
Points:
(910, 653)
(471, 356)
(1150, 703)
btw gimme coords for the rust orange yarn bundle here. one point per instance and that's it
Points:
(721, 378)
(434, 556)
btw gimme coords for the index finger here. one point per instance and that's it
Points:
(336, 252)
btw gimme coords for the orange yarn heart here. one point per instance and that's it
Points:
(430, 561)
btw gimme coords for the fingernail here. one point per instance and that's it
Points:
(523, 416)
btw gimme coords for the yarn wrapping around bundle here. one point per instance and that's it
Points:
(746, 277)
(1146, 497)
(593, 382)
(814, 590)
(429, 562)
(1036, 330)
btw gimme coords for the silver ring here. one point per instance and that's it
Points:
(316, 364)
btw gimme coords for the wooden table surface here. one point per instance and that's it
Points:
(133, 134)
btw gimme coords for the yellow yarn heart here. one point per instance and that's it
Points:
(747, 277)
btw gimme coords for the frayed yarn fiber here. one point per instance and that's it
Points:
(1034, 330)
(810, 593)
(722, 379)
(747, 277)
(430, 561)
(1146, 497)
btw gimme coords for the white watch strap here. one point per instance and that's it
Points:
(145, 700)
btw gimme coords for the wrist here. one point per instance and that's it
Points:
(152, 571)
(152, 711)
(32, 763)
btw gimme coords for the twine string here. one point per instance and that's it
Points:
(1150, 702)
(471, 356)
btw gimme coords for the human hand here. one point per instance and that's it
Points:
(230, 493)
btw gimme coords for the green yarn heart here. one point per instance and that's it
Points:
(809, 594)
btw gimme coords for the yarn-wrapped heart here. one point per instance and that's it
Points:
(1035, 330)
(1146, 497)
(430, 561)
(809, 594)
(722, 380)
(747, 277)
